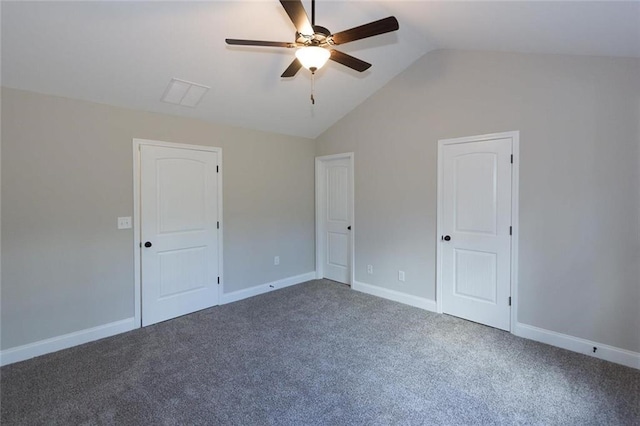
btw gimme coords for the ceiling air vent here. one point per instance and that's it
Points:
(185, 93)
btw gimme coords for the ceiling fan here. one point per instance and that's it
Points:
(315, 43)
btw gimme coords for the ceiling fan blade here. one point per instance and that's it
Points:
(371, 29)
(298, 16)
(292, 69)
(349, 61)
(237, 42)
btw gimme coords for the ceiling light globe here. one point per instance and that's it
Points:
(313, 57)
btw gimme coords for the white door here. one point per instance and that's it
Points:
(335, 213)
(179, 235)
(476, 231)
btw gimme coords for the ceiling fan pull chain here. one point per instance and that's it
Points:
(313, 75)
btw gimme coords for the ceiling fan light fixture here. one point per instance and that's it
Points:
(313, 57)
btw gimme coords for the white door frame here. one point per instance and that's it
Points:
(137, 143)
(515, 188)
(320, 182)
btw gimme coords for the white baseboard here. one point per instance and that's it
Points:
(396, 296)
(234, 296)
(576, 344)
(42, 347)
(31, 350)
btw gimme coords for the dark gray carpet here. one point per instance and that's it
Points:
(318, 353)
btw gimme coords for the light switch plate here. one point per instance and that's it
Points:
(124, 222)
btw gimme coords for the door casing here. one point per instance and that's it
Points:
(137, 219)
(320, 204)
(515, 146)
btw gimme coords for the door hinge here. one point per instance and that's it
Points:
(511, 230)
(218, 169)
(218, 280)
(511, 158)
(218, 225)
(509, 300)
(140, 244)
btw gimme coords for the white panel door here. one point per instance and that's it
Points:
(179, 214)
(476, 240)
(337, 220)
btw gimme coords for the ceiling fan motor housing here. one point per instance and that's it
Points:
(320, 37)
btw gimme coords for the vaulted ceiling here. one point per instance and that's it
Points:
(125, 53)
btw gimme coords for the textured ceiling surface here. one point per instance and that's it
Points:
(125, 53)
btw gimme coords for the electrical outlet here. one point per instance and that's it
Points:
(124, 222)
(276, 260)
(370, 269)
(401, 276)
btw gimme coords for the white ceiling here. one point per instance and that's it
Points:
(125, 53)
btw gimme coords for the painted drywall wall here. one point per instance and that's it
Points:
(579, 269)
(67, 175)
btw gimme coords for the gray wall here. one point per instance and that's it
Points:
(67, 176)
(579, 269)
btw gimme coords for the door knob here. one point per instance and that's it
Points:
(349, 227)
(446, 238)
(148, 244)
